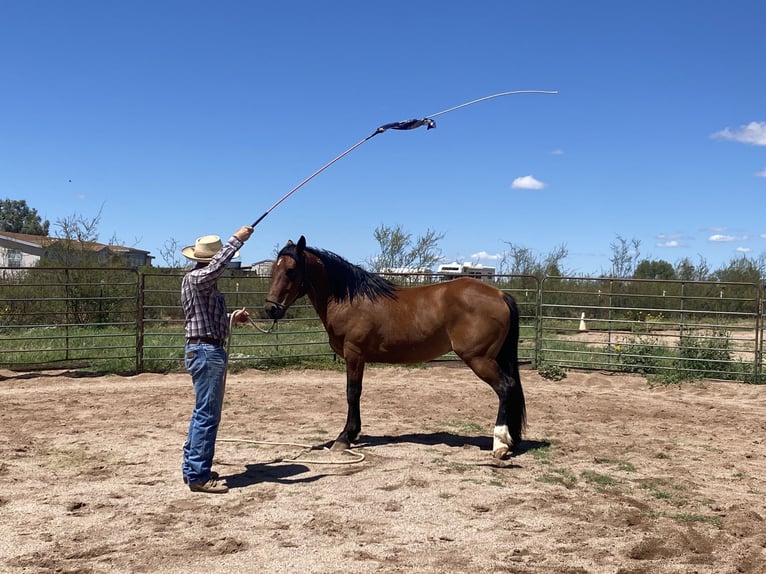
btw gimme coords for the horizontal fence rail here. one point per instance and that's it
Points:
(121, 320)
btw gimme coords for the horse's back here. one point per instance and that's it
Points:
(459, 293)
(459, 305)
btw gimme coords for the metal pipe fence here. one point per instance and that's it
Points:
(74, 317)
(120, 320)
(700, 329)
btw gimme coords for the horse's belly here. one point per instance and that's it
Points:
(408, 352)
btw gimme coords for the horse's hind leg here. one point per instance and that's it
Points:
(509, 421)
(353, 426)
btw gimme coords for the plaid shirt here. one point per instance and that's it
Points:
(204, 305)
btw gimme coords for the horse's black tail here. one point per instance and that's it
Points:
(508, 359)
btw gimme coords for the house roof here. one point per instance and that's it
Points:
(45, 241)
(27, 238)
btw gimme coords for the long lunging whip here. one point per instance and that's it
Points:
(427, 121)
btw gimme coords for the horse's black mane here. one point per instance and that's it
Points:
(348, 280)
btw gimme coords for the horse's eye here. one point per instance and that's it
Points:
(291, 273)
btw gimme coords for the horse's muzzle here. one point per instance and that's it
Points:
(274, 310)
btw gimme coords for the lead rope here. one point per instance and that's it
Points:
(307, 448)
(359, 457)
(264, 331)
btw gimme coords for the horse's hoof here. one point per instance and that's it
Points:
(499, 453)
(340, 445)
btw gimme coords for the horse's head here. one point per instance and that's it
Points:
(287, 279)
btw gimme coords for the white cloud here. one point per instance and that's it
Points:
(558, 152)
(753, 133)
(721, 238)
(527, 182)
(743, 249)
(486, 256)
(669, 236)
(761, 173)
(763, 235)
(672, 240)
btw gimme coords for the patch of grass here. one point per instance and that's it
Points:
(472, 481)
(602, 480)
(466, 427)
(560, 476)
(542, 454)
(689, 517)
(459, 466)
(693, 517)
(661, 489)
(620, 464)
(644, 355)
(552, 372)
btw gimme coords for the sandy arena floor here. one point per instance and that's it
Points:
(616, 476)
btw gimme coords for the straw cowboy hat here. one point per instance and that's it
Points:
(204, 248)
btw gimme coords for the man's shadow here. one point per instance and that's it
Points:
(276, 472)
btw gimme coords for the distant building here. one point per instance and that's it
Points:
(25, 250)
(467, 269)
(261, 268)
(412, 274)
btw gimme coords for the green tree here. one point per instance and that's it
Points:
(519, 260)
(17, 217)
(625, 254)
(740, 270)
(171, 254)
(89, 295)
(75, 233)
(399, 251)
(654, 269)
(688, 271)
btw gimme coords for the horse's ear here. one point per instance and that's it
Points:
(301, 245)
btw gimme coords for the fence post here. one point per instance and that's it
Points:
(140, 299)
(538, 322)
(758, 367)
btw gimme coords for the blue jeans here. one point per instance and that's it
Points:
(207, 366)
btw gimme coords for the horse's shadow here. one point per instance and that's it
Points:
(484, 443)
(288, 472)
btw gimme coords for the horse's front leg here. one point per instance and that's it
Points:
(350, 432)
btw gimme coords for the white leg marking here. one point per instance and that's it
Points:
(501, 440)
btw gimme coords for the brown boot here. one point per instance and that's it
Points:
(212, 486)
(213, 476)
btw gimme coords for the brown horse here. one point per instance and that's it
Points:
(369, 319)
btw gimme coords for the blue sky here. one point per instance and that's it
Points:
(183, 118)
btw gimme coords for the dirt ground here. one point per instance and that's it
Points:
(615, 476)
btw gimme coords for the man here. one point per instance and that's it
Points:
(207, 329)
